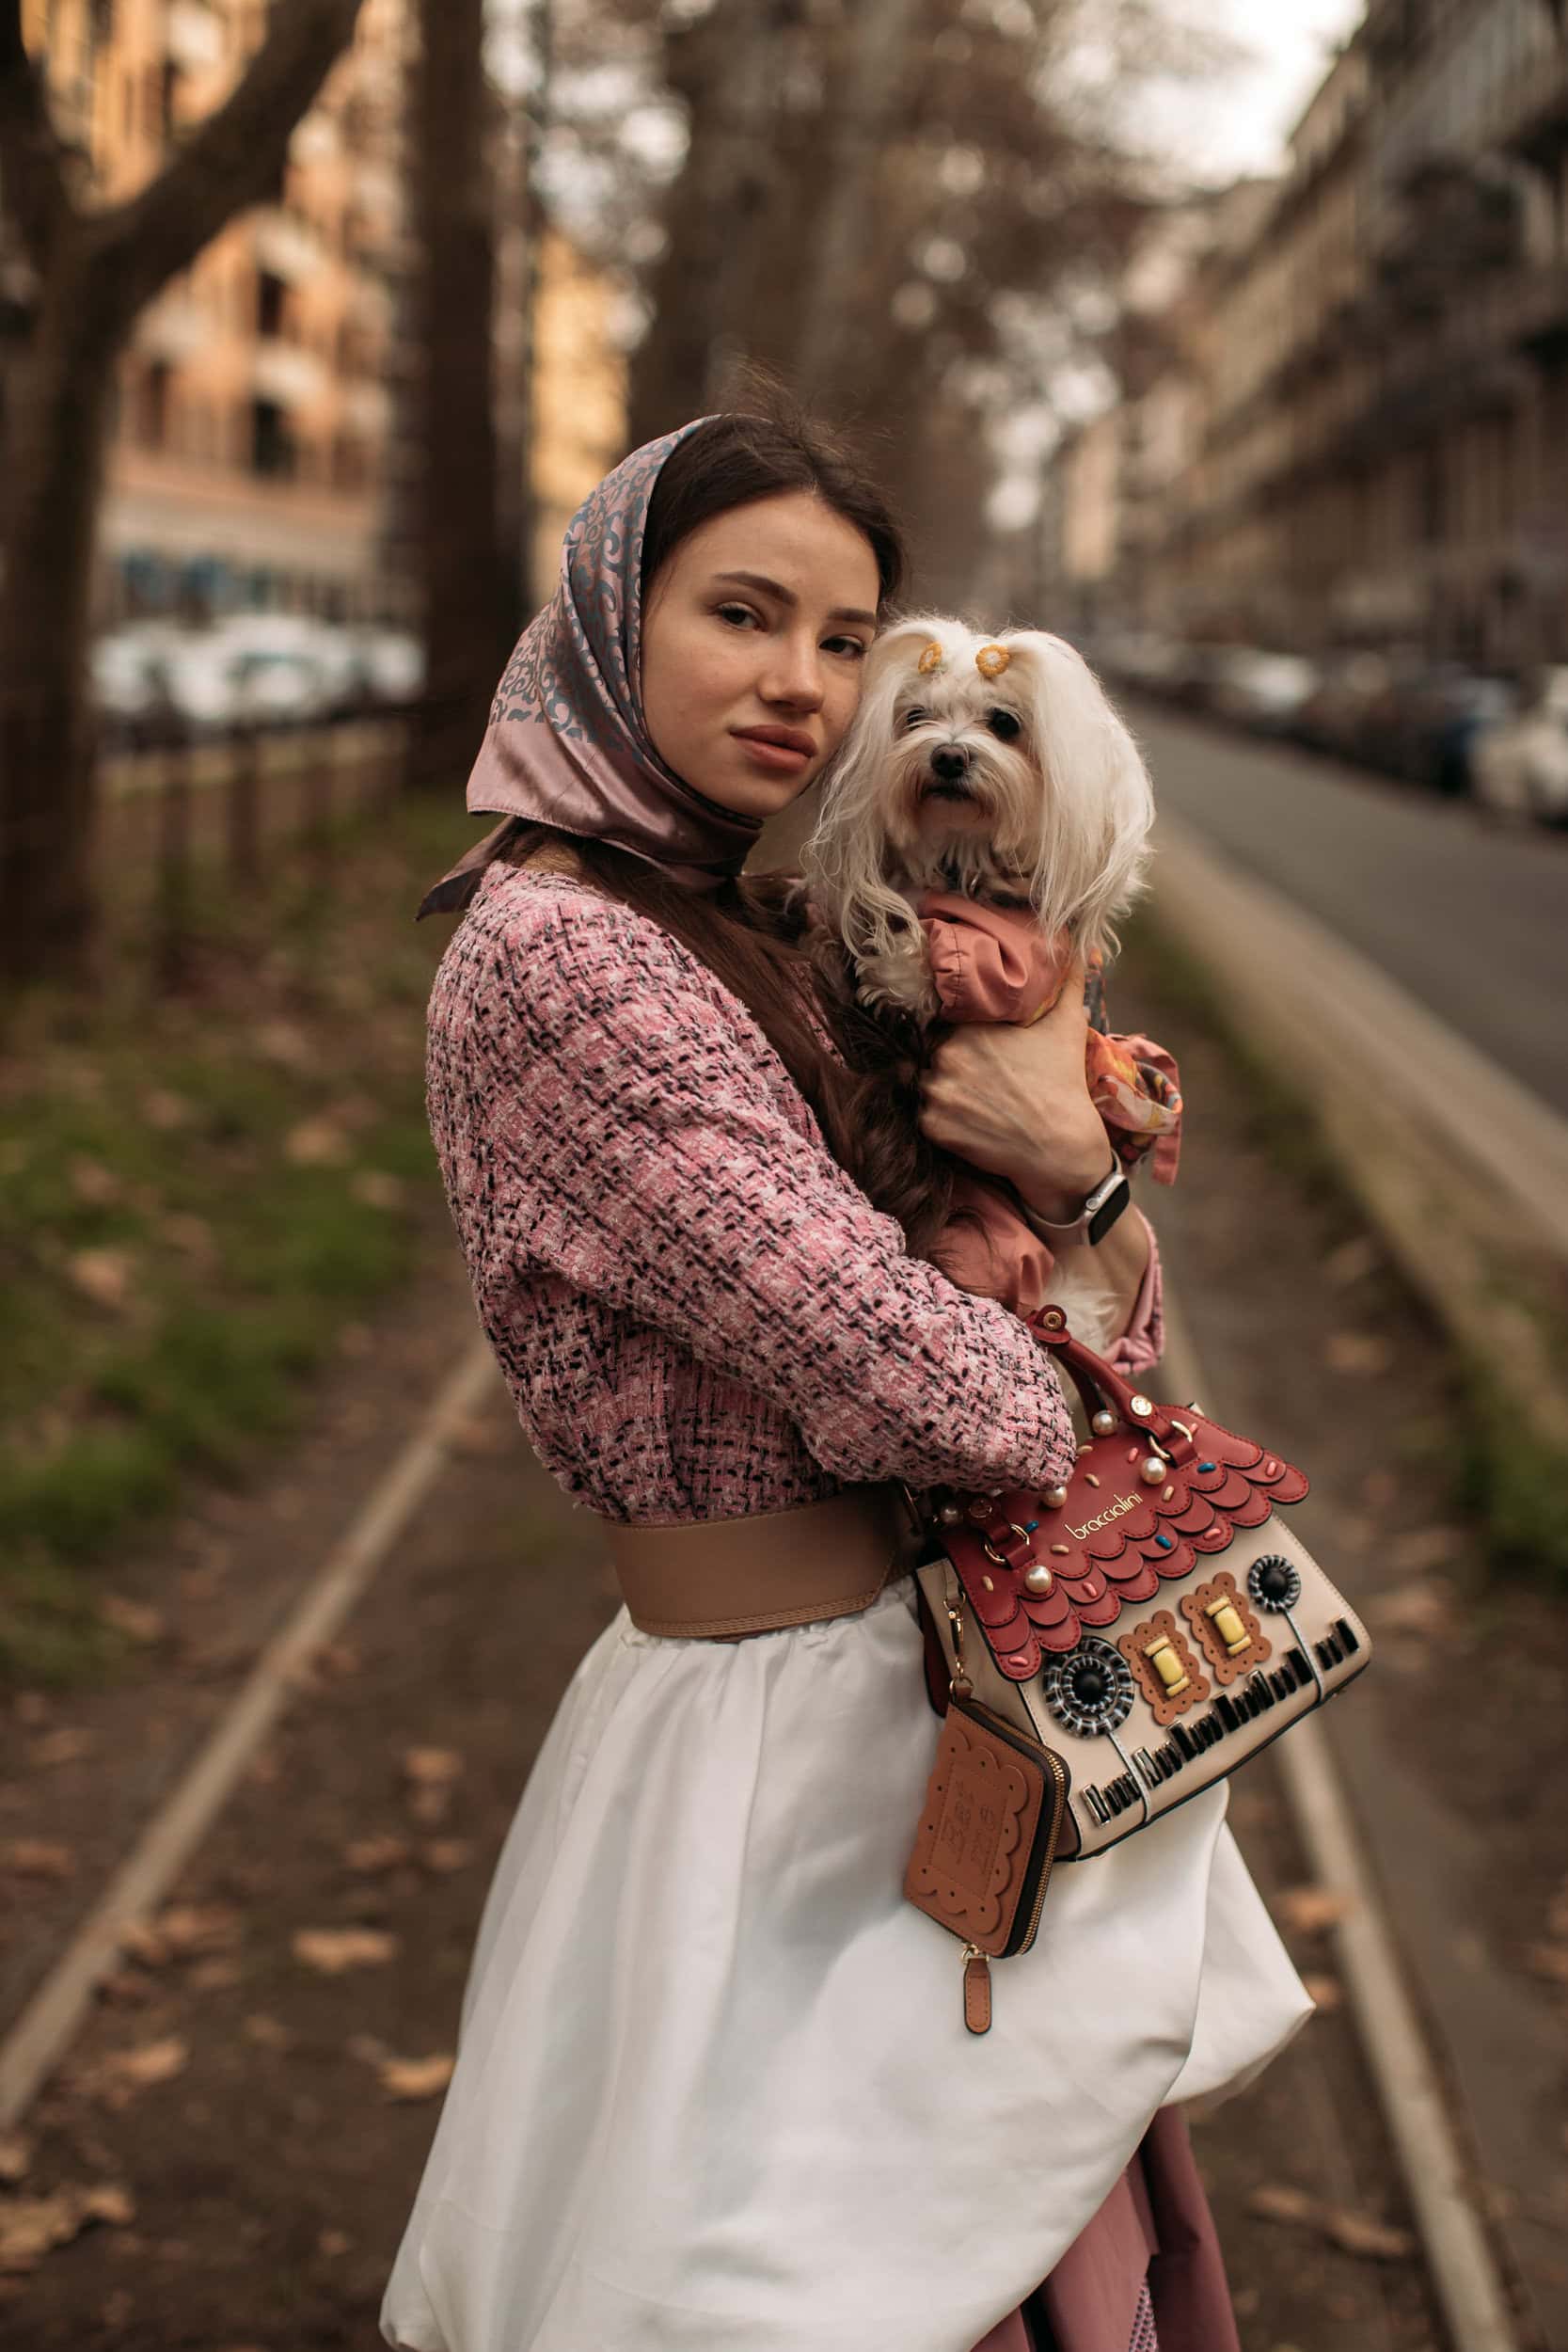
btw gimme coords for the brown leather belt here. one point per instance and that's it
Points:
(718, 1579)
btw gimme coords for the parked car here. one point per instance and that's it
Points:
(1520, 767)
(1261, 690)
(1333, 718)
(1444, 717)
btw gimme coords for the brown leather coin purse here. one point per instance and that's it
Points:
(986, 1839)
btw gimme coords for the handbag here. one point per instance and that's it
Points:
(1144, 1629)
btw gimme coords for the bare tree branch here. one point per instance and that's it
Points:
(33, 192)
(230, 160)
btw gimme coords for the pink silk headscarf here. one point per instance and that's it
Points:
(568, 743)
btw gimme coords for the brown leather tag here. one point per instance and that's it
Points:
(977, 1829)
(977, 1995)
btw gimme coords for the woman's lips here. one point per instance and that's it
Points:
(781, 755)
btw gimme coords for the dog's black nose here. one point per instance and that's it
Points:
(950, 763)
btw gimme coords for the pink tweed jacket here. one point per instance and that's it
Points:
(698, 1311)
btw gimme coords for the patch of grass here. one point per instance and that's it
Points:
(196, 1192)
(1501, 1472)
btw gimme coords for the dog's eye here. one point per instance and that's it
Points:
(913, 718)
(1004, 726)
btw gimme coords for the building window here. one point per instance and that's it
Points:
(272, 445)
(272, 305)
(153, 405)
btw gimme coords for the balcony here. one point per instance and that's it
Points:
(287, 375)
(174, 330)
(286, 245)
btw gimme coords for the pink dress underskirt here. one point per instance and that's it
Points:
(1146, 2273)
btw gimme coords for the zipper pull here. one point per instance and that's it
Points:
(977, 1990)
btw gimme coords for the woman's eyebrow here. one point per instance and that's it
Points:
(787, 597)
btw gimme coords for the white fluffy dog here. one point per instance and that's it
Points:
(1000, 770)
(993, 765)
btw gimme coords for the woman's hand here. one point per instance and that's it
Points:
(1015, 1103)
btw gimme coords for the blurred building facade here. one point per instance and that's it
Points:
(1359, 430)
(263, 436)
(249, 460)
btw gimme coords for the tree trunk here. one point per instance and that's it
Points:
(463, 566)
(58, 397)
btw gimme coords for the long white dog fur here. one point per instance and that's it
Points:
(1010, 779)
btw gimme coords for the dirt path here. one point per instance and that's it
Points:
(265, 2121)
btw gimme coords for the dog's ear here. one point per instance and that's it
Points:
(899, 649)
(1101, 804)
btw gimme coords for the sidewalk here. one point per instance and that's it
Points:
(260, 2082)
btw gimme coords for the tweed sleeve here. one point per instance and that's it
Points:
(641, 1141)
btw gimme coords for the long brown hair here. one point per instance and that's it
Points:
(862, 1082)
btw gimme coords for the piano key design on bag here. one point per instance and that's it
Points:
(1235, 1649)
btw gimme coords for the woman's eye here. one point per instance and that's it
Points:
(853, 646)
(913, 718)
(737, 615)
(1004, 726)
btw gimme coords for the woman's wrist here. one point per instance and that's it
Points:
(1058, 1198)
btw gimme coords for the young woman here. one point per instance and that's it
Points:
(714, 2092)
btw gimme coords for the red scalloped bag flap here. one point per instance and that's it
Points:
(1146, 1497)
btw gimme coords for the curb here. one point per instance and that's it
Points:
(48, 2025)
(1417, 2110)
(1464, 1172)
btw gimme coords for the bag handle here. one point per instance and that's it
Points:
(1104, 1389)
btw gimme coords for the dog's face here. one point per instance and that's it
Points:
(992, 764)
(961, 762)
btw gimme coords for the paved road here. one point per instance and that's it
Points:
(1473, 922)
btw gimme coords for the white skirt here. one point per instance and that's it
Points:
(714, 2092)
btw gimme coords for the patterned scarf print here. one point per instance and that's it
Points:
(568, 742)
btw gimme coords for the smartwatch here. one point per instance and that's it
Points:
(1100, 1212)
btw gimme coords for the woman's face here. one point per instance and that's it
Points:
(752, 641)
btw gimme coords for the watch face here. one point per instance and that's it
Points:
(1106, 1212)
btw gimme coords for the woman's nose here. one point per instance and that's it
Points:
(795, 675)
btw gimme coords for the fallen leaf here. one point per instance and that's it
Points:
(104, 1275)
(431, 1773)
(1357, 2233)
(126, 1988)
(415, 2078)
(332, 1951)
(285, 1043)
(16, 2156)
(60, 1747)
(31, 2227)
(165, 1110)
(117, 2077)
(1353, 2232)
(37, 1858)
(1352, 1262)
(1326, 1991)
(192, 1235)
(445, 1854)
(267, 2033)
(369, 1857)
(214, 1976)
(480, 1436)
(183, 1931)
(377, 1189)
(135, 1619)
(316, 1143)
(1310, 1910)
(1359, 1355)
(94, 1183)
